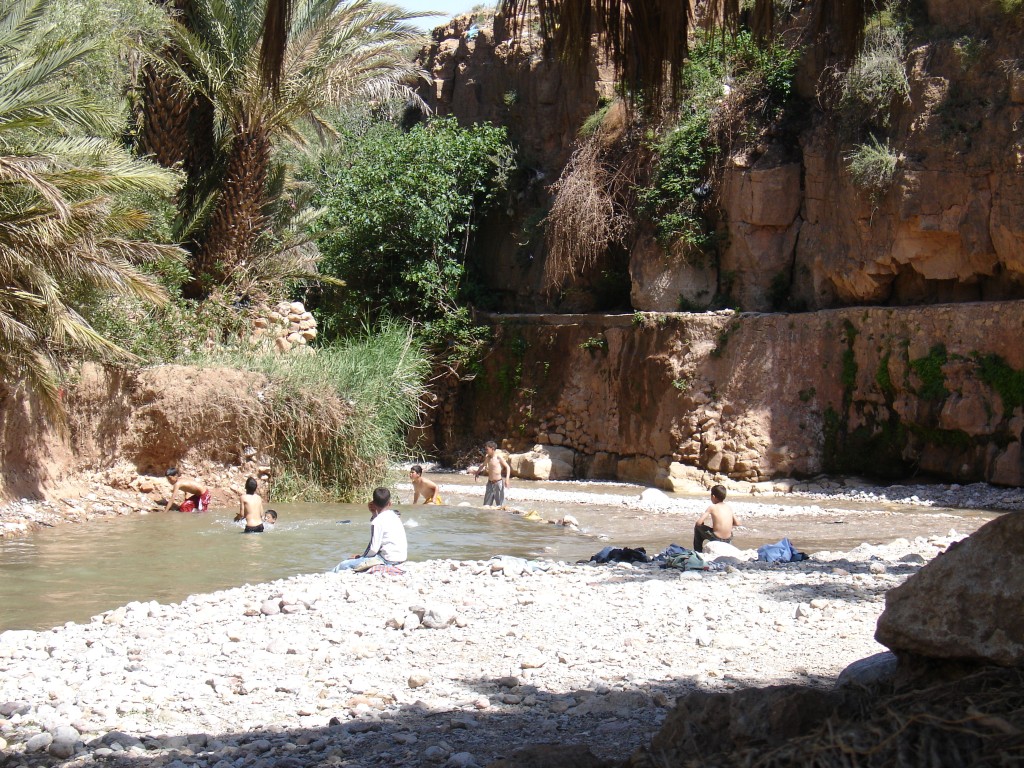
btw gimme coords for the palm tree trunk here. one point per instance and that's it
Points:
(238, 217)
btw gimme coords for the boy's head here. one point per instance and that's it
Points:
(381, 498)
(172, 473)
(250, 485)
(718, 494)
(490, 447)
(270, 516)
(415, 470)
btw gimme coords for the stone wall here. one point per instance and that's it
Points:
(884, 392)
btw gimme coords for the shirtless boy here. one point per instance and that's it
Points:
(197, 495)
(250, 508)
(423, 487)
(723, 520)
(498, 474)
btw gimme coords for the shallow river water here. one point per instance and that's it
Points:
(73, 572)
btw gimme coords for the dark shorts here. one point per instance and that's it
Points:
(253, 528)
(702, 533)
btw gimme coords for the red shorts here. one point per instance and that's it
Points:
(196, 503)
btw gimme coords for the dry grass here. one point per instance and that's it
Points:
(592, 208)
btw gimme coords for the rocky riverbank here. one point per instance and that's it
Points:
(451, 663)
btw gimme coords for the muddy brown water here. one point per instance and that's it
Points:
(74, 572)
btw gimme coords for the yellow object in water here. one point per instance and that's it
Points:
(533, 514)
(436, 499)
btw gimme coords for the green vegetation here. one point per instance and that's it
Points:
(233, 126)
(883, 378)
(71, 229)
(929, 371)
(593, 123)
(594, 344)
(401, 209)
(760, 82)
(1008, 382)
(877, 78)
(872, 166)
(336, 446)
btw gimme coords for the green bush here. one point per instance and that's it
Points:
(336, 419)
(877, 79)
(872, 166)
(731, 86)
(401, 210)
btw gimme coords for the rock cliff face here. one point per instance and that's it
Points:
(882, 391)
(949, 227)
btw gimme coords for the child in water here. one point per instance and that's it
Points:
(423, 487)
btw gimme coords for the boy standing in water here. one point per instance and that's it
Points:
(723, 519)
(250, 507)
(197, 495)
(423, 487)
(498, 474)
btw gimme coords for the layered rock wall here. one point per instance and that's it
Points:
(649, 397)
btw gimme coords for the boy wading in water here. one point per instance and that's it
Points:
(723, 520)
(498, 474)
(197, 495)
(250, 508)
(423, 487)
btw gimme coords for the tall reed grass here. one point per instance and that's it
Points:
(333, 421)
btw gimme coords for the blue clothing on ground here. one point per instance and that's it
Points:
(780, 552)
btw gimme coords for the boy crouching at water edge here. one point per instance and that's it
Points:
(388, 545)
(197, 495)
(250, 508)
(423, 487)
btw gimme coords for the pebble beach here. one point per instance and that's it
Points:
(453, 663)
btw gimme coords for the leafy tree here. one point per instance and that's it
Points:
(401, 211)
(65, 225)
(337, 52)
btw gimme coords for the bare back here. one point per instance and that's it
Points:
(187, 486)
(723, 519)
(251, 510)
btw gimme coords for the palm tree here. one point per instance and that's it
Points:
(335, 53)
(64, 228)
(647, 39)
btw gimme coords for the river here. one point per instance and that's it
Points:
(74, 572)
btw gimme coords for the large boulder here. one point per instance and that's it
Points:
(543, 462)
(681, 478)
(966, 603)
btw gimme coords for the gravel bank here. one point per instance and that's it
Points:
(452, 663)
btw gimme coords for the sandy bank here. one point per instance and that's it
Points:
(453, 661)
